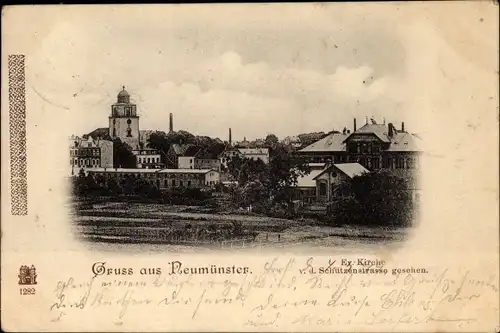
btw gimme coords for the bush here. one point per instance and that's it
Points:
(379, 199)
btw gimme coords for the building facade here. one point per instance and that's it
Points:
(148, 158)
(333, 181)
(174, 152)
(162, 178)
(124, 120)
(198, 158)
(90, 153)
(305, 190)
(374, 146)
(255, 154)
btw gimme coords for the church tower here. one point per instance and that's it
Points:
(124, 121)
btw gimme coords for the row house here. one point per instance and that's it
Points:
(162, 178)
(250, 153)
(90, 153)
(198, 158)
(148, 158)
(255, 154)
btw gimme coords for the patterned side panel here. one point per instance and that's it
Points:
(17, 126)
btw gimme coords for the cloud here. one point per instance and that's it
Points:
(255, 78)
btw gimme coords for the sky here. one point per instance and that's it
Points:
(259, 69)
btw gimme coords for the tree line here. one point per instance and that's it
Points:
(129, 188)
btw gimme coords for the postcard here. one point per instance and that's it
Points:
(309, 167)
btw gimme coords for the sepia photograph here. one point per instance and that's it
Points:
(250, 167)
(254, 137)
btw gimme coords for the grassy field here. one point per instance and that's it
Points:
(178, 227)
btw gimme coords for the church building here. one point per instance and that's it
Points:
(124, 121)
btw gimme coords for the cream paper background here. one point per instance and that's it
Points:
(456, 84)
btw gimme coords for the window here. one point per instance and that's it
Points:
(181, 183)
(352, 147)
(173, 182)
(401, 163)
(364, 148)
(362, 161)
(409, 163)
(334, 174)
(390, 163)
(189, 183)
(322, 189)
(375, 163)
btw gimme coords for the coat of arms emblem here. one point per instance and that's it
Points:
(27, 275)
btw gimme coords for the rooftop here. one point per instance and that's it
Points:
(130, 170)
(349, 169)
(331, 142)
(379, 130)
(399, 141)
(308, 180)
(254, 150)
(180, 149)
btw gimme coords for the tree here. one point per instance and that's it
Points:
(122, 155)
(271, 140)
(254, 192)
(160, 141)
(277, 178)
(243, 169)
(379, 199)
(285, 167)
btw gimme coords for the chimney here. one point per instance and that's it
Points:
(354, 125)
(171, 123)
(403, 126)
(230, 137)
(391, 130)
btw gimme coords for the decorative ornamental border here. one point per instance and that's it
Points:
(17, 126)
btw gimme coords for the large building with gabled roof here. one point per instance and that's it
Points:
(374, 146)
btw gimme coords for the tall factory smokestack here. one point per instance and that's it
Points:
(403, 126)
(230, 137)
(354, 125)
(171, 123)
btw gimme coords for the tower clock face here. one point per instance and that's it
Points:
(129, 121)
